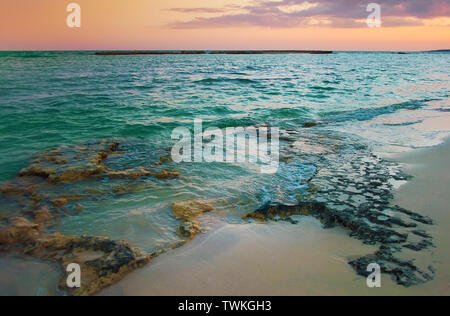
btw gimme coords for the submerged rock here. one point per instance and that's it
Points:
(309, 124)
(422, 233)
(424, 244)
(83, 162)
(403, 272)
(188, 212)
(167, 174)
(70, 164)
(19, 230)
(53, 185)
(352, 188)
(43, 217)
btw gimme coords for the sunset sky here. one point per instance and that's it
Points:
(224, 24)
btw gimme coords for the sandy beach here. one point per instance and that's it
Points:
(302, 259)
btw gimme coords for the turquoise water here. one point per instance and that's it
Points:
(53, 98)
(49, 99)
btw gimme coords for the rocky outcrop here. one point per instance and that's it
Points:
(352, 188)
(309, 124)
(19, 231)
(70, 164)
(82, 162)
(113, 259)
(404, 272)
(56, 183)
(370, 228)
(188, 212)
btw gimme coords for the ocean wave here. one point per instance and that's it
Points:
(366, 114)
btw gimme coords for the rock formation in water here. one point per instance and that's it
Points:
(352, 188)
(50, 188)
(188, 212)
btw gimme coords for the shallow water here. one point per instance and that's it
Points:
(302, 259)
(28, 277)
(47, 99)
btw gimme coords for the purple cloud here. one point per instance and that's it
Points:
(198, 10)
(338, 13)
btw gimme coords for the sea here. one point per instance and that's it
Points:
(381, 102)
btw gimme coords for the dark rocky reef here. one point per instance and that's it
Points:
(188, 212)
(352, 188)
(404, 272)
(369, 229)
(213, 52)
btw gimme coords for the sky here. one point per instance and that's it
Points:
(407, 25)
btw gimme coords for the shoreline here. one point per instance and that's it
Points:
(318, 257)
(255, 254)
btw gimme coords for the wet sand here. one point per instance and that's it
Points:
(428, 193)
(302, 259)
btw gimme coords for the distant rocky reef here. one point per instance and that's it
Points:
(213, 52)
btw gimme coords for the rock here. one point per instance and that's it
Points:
(189, 229)
(414, 216)
(422, 233)
(19, 230)
(3, 215)
(59, 202)
(19, 188)
(188, 211)
(35, 194)
(164, 159)
(114, 259)
(403, 272)
(424, 244)
(42, 216)
(79, 208)
(117, 257)
(167, 174)
(309, 124)
(80, 162)
(271, 210)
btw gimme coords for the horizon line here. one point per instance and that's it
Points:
(212, 50)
